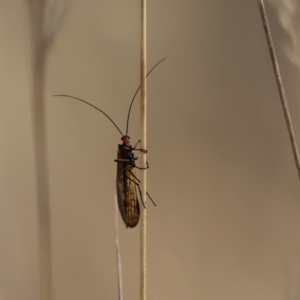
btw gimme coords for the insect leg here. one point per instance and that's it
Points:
(121, 160)
(137, 144)
(142, 150)
(138, 184)
(147, 167)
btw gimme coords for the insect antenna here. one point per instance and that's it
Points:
(93, 107)
(137, 92)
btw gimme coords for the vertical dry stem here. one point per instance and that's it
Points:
(42, 37)
(36, 15)
(119, 265)
(143, 112)
(279, 85)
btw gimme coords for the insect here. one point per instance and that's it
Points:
(127, 182)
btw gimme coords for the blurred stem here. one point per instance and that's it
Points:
(280, 85)
(143, 123)
(36, 16)
(118, 253)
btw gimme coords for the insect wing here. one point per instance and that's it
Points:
(126, 193)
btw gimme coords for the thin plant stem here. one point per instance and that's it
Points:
(42, 35)
(143, 124)
(36, 15)
(118, 254)
(280, 85)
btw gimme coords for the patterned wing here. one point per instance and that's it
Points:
(126, 193)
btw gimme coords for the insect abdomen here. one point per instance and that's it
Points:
(126, 193)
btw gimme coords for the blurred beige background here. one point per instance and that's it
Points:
(221, 168)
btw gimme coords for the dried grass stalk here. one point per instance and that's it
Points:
(42, 34)
(118, 254)
(36, 17)
(280, 85)
(143, 124)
